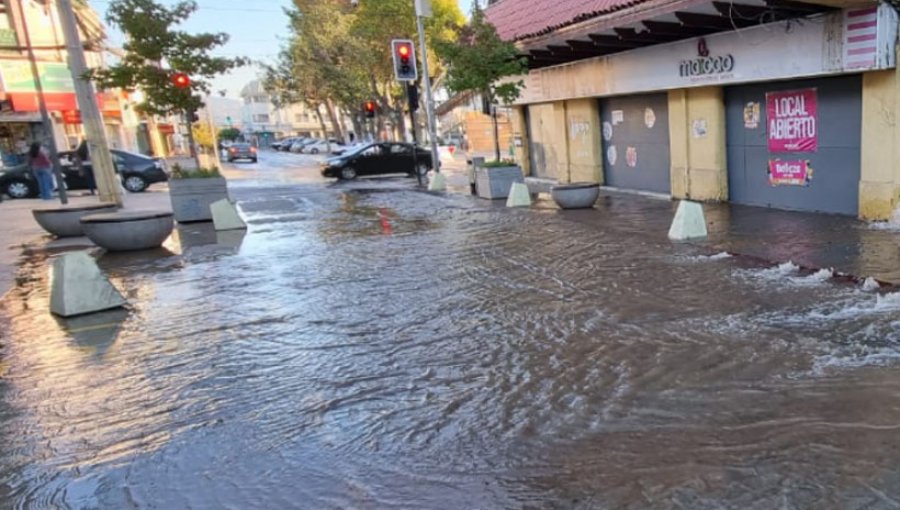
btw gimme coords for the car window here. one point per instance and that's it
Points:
(375, 150)
(400, 149)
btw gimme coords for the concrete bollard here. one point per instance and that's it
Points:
(519, 196)
(689, 222)
(225, 215)
(438, 182)
(80, 288)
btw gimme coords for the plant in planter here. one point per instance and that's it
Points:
(494, 178)
(193, 190)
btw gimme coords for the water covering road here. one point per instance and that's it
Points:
(367, 345)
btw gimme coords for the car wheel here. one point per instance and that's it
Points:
(19, 189)
(422, 169)
(314, 151)
(348, 173)
(134, 183)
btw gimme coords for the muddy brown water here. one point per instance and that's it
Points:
(384, 348)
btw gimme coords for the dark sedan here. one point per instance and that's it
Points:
(378, 159)
(136, 171)
(242, 151)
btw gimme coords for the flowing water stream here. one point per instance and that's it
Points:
(384, 348)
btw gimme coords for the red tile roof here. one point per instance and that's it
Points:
(521, 19)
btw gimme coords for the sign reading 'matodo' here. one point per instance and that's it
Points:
(793, 121)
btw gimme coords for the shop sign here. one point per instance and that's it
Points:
(705, 64)
(17, 77)
(789, 173)
(8, 37)
(793, 121)
(71, 117)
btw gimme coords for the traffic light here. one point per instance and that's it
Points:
(404, 60)
(192, 116)
(369, 107)
(181, 80)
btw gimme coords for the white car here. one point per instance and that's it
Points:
(322, 147)
(297, 147)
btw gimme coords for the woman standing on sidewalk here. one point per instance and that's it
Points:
(43, 170)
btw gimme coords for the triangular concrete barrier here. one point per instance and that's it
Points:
(225, 215)
(689, 222)
(438, 182)
(519, 196)
(80, 288)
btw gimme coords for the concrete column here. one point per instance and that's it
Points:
(520, 132)
(697, 144)
(880, 151)
(585, 158)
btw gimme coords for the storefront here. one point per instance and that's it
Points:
(636, 142)
(541, 130)
(796, 144)
(791, 114)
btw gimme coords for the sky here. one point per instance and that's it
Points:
(257, 31)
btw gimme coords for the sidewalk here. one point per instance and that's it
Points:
(20, 229)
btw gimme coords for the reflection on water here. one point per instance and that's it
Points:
(395, 349)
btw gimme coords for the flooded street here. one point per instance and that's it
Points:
(367, 345)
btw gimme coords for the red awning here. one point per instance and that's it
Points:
(56, 102)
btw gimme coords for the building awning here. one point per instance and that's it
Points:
(563, 31)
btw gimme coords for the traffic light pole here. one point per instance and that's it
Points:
(429, 98)
(412, 119)
(101, 159)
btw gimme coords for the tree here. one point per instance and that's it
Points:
(203, 136)
(230, 134)
(155, 49)
(480, 62)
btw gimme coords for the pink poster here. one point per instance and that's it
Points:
(789, 173)
(793, 121)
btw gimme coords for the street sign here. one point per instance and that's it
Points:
(423, 8)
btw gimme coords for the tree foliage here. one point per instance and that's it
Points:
(479, 61)
(231, 134)
(155, 49)
(340, 55)
(203, 135)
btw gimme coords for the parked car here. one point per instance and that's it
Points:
(284, 144)
(321, 147)
(378, 159)
(297, 147)
(137, 172)
(242, 151)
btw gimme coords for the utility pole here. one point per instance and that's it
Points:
(101, 159)
(423, 9)
(45, 115)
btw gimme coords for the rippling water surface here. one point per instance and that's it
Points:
(384, 348)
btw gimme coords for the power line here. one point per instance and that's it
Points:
(202, 7)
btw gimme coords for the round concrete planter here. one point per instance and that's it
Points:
(578, 195)
(66, 221)
(128, 231)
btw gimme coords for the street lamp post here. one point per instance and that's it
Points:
(101, 159)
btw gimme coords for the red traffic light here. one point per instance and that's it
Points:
(369, 107)
(181, 80)
(403, 50)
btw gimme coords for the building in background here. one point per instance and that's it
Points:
(464, 124)
(223, 112)
(263, 121)
(20, 120)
